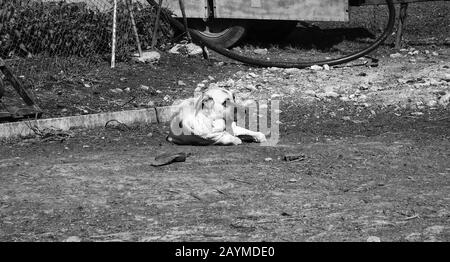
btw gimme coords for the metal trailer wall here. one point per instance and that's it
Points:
(310, 10)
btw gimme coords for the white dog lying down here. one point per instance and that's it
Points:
(208, 120)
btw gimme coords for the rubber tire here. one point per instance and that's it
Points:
(227, 33)
(269, 30)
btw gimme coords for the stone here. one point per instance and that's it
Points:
(116, 90)
(147, 57)
(73, 239)
(310, 92)
(260, 51)
(292, 71)
(373, 239)
(316, 67)
(186, 49)
(445, 100)
(396, 55)
(413, 237)
(145, 88)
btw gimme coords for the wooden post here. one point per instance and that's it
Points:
(16, 84)
(401, 25)
(155, 30)
(113, 47)
(183, 12)
(129, 4)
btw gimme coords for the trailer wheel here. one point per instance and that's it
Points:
(222, 33)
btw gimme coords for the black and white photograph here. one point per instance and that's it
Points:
(249, 123)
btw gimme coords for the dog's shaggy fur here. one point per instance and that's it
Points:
(208, 120)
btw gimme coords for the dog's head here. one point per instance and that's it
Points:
(217, 103)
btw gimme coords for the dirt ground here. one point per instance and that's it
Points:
(374, 141)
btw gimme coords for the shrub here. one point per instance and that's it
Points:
(72, 29)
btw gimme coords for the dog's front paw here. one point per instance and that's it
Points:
(236, 141)
(260, 137)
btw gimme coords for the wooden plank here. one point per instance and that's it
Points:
(401, 25)
(382, 2)
(194, 8)
(310, 10)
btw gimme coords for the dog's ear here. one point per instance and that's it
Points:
(233, 94)
(205, 101)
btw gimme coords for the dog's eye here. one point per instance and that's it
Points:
(224, 104)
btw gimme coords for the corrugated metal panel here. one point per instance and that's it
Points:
(310, 10)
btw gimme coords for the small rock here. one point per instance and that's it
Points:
(274, 69)
(434, 230)
(181, 83)
(145, 88)
(310, 92)
(445, 100)
(346, 118)
(326, 67)
(147, 57)
(417, 113)
(253, 75)
(151, 104)
(251, 88)
(122, 79)
(344, 99)
(363, 87)
(167, 98)
(127, 89)
(275, 96)
(413, 237)
(316, 67)
(260, 51)
(268, 159)
(373, 239)
(331, 94)
(294, 157)
(73, 239)
(432, 103)
(292, 71)
(293, 180)
(186, 49)
(150, 134)
(396, 55)
(116, 90)
(435, 53)
(447, 41)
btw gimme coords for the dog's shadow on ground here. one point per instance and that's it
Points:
(306, 36)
